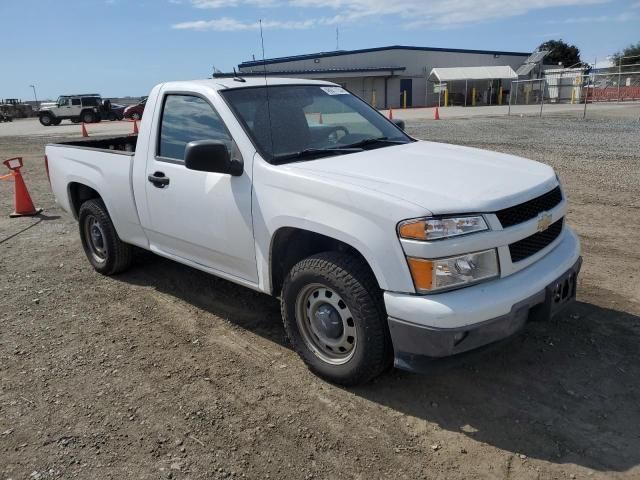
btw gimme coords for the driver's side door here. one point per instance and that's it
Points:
(203, 217)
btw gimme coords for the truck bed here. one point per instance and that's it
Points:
(120, 144)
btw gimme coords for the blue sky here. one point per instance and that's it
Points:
(124, 47)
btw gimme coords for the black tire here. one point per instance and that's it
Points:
(46, 119)
(88, 116)
(354, 283)
(75, 119)
(57, 121)
(117, 256)
(112, 117)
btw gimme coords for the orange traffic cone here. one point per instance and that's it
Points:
(24, 205)
(135, 127)
(84, 131)
(436, 115)
(390, 113)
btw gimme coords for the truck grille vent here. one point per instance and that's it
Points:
(531, 245)
(528, 210)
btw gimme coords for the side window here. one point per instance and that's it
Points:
(89, 102)
(186, 118)
(75, 101)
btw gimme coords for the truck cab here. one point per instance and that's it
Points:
(77, 108)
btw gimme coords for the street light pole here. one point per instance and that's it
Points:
(35, 95)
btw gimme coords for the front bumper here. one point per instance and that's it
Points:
(424, 328)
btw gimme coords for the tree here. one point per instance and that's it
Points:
(561, 52)
(627, 58)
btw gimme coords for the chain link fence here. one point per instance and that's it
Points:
(573, 87)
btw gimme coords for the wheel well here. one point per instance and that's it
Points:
(78, 194)
(290, 245)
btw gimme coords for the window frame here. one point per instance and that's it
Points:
(156, 152)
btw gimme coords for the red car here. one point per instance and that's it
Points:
(135, 112)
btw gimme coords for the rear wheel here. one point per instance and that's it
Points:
(75, 120)
(46, 119)
(56, 121)
(104, 249)
(334, 317)
(88, 116)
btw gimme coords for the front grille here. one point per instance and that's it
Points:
(526, 247)
(528, 210)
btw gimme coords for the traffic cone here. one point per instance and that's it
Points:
(436, 115)
(24, 205)
(390, 113)
(84, 131)
(135, 127)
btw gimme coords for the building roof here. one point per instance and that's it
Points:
(472, 73)
(313, 71)
(337, 53)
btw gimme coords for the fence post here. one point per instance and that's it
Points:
(510, 98)
(473, 97)
(542, 83)
(466, 90)
(586, 94)
(446, 97)
(500, 96)
(373, 99)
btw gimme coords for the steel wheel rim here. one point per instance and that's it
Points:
(94, 233)
(326, 324)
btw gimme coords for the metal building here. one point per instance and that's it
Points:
(382, 75)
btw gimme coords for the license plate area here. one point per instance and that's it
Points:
(562, 291)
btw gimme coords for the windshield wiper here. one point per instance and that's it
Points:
(374, 141)
(315, 153)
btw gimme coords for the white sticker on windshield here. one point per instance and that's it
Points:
(335, 90)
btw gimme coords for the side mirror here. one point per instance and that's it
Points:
(399, 123)
(211, 156)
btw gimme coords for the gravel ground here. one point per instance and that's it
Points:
(165, 372)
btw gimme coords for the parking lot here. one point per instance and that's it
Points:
(166, 372)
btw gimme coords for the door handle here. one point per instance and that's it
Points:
(158, 179)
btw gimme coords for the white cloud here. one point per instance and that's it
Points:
(404, 13)
(622, 17)
(231, 3)
(226, 24)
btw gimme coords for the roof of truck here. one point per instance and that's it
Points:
(224, 83)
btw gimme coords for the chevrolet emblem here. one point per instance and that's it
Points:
(544, 221)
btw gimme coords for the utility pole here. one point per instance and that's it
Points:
(35, 95)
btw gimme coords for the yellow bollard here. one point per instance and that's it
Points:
(500, 96)
(446, 97)
(473, 97)
(373, 99)
(526, 97)
(404, 99)
(573, 96)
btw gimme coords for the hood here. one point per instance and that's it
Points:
(47, 106)
(439, 177)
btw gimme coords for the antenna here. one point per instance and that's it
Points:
(266, 86)
(337, 38)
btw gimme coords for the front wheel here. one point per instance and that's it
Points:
(335, 319)
(104, 249)
(46, 119)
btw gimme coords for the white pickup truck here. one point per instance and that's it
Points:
(383, 249)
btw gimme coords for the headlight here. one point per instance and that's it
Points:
(453, 272)
(437, 228)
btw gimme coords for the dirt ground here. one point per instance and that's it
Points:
(165, 372)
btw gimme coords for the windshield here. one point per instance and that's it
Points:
(305, 121)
